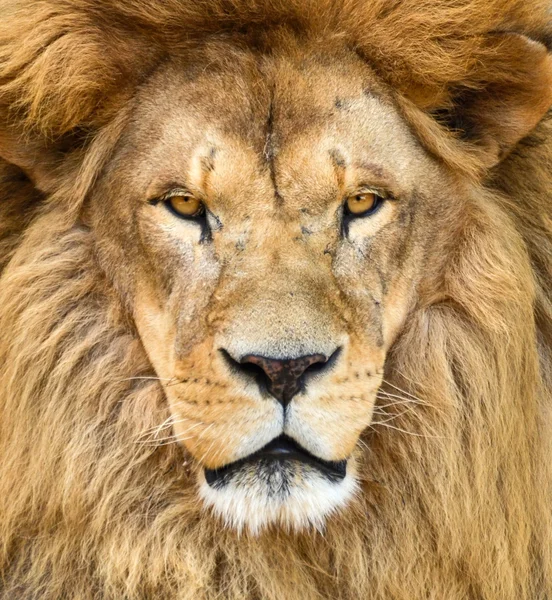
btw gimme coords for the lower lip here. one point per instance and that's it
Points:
(281, 450)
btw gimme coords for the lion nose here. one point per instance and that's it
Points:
(284, 378)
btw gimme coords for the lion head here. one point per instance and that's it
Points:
(275, 300)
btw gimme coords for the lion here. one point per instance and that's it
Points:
(275, 300)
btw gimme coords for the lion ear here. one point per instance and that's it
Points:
(38, 157)
(509, 93)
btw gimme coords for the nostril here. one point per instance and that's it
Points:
(322, 366)
(282, 378)
(245, 368)
(284, 375)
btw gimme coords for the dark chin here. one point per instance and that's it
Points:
(277, 463)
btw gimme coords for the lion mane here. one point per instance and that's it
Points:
(456, 501)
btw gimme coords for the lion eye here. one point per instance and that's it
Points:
(185, 206)
(363, 204)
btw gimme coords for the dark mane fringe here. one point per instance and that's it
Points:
(68, 63)
(89, 510)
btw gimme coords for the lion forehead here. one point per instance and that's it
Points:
(235, 122)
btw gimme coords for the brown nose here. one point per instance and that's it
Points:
(283, 377)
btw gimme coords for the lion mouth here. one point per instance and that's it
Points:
(279, 451)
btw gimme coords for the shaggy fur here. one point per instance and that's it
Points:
(457, 494)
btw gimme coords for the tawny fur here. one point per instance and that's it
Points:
(456, 500)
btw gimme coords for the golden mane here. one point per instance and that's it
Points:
(87, 511)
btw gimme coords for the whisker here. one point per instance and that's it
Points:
(405, 398)
(405, 376)
(168, 422)
(363, 444)
(405, 431)
(171, 439)
(391, 418)
(153, 434)
(205, 431)
(411, 399)
(401, 390)
(401, 402)
(174, 382)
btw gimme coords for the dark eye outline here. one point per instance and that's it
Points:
(380, 199)
(349, 217)
(199, 218)
(166, 200)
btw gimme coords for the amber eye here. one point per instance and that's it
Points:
(185, 205)
(363, 203)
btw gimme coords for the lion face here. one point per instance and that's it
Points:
(269, 219)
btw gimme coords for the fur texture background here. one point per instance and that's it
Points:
(456, 504)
